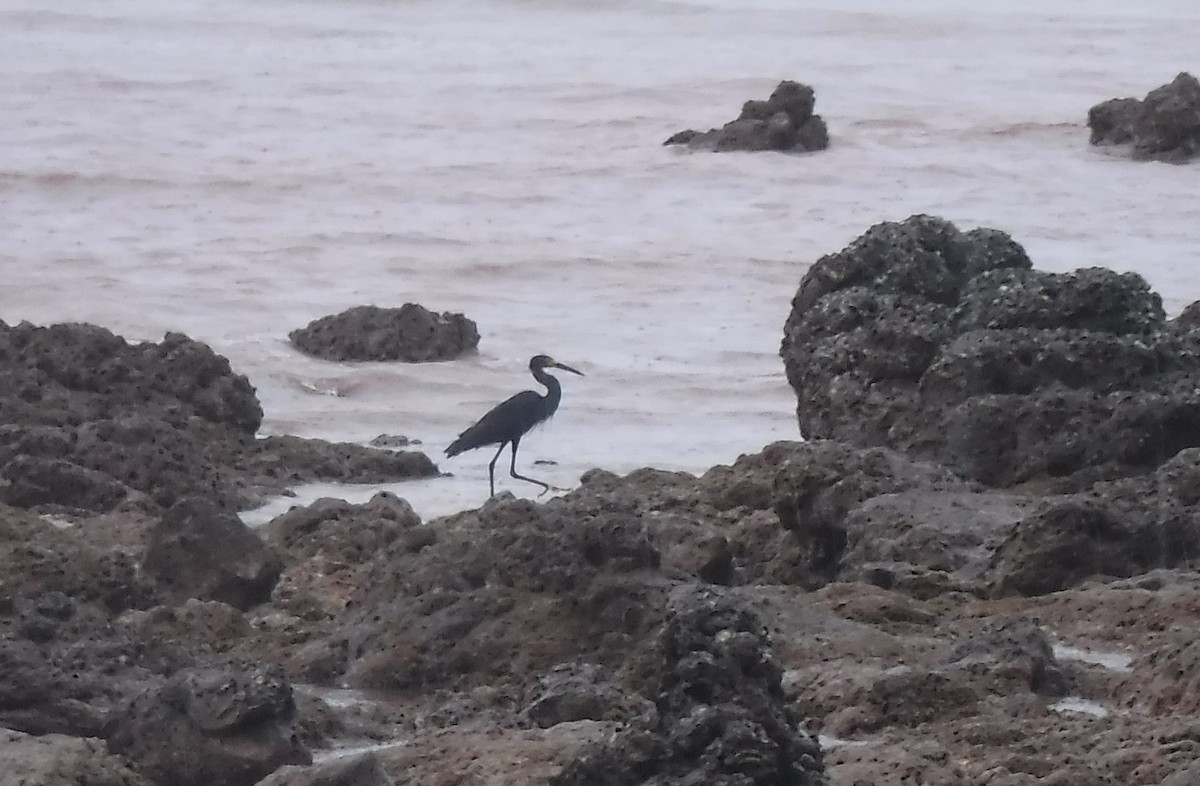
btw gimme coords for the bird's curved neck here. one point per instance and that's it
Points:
(553, 389)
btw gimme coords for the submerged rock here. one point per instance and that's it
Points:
(411, 333)
(785, 121)
(1164, 126)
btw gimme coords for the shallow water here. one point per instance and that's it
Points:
(234, 170)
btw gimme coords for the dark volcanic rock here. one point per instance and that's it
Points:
(410, 333)
(1121, 528)
(83, 411)
(580, 691)
(1165, 126)
(231, 723)
(459, 605)
(290, 459)
(37, 557)
(722, 717)
(64, 668)
(819, 486)
(85, 417)
(945, 345)
(201, 551)
(785, 121)
(1112, 121)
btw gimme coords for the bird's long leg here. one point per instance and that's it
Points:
(492, 470)
(513, 469)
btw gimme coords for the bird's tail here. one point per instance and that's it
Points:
(459, 445)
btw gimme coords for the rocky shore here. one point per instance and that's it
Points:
(977, 569)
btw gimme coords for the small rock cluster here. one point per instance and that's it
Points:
(785, 121)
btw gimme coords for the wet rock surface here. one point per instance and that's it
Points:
(1163, 126)
(411, 333)
(785, 121)
(982, 572)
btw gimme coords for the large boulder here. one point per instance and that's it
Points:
(200, 550)
(785, 121)
(231, 723)
(411, 333)
(503, 593)
(1164, 126)
(945, 345)
(721, 715)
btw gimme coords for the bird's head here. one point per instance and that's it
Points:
(539, 362)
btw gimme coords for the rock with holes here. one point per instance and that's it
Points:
(228, 722)
(946, 345)
(721, 715)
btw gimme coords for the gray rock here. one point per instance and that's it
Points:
(722, 717)
(1164, 126)
(580, 691)
(231, 723)
(411, 333)
(53, 759)
(785, 121)
(199, 550)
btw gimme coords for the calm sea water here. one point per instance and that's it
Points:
(233, 170)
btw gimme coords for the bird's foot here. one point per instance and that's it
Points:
(548, 489)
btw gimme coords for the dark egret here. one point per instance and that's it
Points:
(509, 420)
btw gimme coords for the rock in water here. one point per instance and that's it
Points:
(410, 333)
(785, 121)
(1164, 126)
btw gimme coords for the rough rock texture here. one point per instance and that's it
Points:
(460, 597)
(945, 345)
(66, 668)
(410, 333)
(230, 724)
(58, 759)
(658, 627)
(89, 422)
(201, 551)
(785, 121)
(1164, 126)
(721, 715)
(364, 770)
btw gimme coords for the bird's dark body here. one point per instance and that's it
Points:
(512, 418)
(508, 421)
